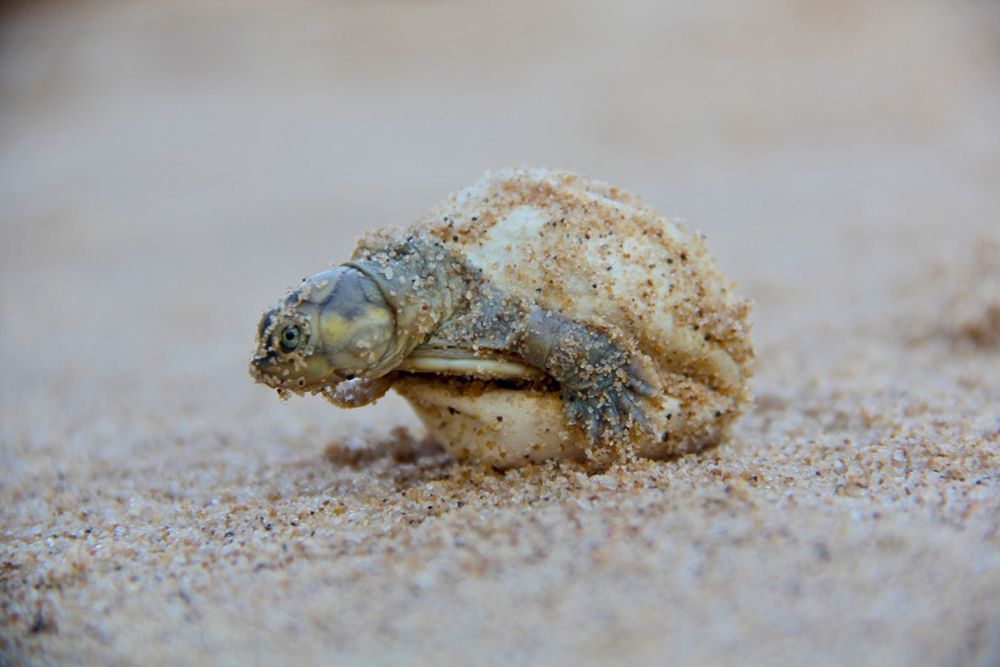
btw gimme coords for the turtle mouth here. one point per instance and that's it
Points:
(264, 370)
(261, 367)
(294, 375)
(302, 371)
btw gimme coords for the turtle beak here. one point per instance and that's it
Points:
(263, 356)
(259, 367)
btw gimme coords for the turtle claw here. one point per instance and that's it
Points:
(641, 387)
(635, 415)
(608, 414)
(580, 412)
(602, 384)
(636, 382)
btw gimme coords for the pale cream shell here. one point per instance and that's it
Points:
(507, 427)
(597, 255)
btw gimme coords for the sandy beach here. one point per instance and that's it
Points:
(167, 170)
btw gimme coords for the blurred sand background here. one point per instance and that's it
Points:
(168, 169)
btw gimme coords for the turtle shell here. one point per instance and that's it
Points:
(600, 256)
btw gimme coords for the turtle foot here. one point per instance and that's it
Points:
(357, 392)
(610, 413)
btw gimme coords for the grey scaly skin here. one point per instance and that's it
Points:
(598, 382)
(441, 306)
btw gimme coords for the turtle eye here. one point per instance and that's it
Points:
(290, 338)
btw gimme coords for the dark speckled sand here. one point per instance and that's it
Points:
(167, 169)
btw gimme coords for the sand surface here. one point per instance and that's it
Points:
(166, 170)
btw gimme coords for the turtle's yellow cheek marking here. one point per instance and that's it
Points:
(335, 327)
(357, 339)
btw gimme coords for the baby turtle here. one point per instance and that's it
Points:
(535, 314)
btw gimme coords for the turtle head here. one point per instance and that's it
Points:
(336, 326)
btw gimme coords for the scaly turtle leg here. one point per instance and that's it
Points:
(601, 385)
(357, 392)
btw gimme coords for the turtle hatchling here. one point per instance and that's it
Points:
(533, 315)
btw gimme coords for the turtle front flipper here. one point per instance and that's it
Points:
(601, 385)
(357, 392)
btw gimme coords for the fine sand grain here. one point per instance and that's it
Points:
(166, 168)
